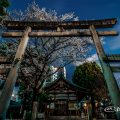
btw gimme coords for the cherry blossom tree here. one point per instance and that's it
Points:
(43, 52)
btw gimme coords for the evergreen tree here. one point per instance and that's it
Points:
(89, 75)
(3, 5)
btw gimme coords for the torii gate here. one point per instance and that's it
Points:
(71, 29)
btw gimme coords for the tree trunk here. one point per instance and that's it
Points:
(34, 104)
(34, 110)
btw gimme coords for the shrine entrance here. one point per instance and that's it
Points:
(63, 98)
(87, 28)
(61, 108)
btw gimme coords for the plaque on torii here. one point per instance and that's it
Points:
(84, 28)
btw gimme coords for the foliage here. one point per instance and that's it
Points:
(2, 11)
(25, 95)
(4, 50)
(35, 13)
(44, 52)
(89, 75)
(43, 97)
(3, 5)
(28, 115)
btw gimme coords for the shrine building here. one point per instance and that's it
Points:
(64, 98)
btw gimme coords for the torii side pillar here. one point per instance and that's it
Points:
(11, 79)
(108, 75)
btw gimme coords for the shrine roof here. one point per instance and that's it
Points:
(70, 84)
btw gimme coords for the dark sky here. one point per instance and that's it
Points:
(84, 9)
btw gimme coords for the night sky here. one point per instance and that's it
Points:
(84, 9)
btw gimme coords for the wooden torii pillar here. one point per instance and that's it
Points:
(11, 79)
(107, 71)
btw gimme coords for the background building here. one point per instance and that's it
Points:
(56, 72)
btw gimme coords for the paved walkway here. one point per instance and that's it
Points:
(66, 118)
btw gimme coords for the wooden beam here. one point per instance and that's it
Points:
(112, 58)
(71, 33)
(5, 60)
(115, 68)
(2, 58)
(4, 71)
(83, 24)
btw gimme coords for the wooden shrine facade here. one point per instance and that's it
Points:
(63, 98)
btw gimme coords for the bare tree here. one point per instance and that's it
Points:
(43, 52)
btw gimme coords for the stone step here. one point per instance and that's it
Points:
(65, 118)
